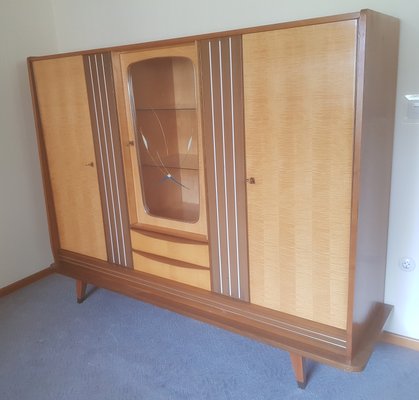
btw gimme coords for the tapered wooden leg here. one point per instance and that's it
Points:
(81, 290)
(297, 362)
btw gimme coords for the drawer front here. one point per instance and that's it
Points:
(164, 268)
(171, 247)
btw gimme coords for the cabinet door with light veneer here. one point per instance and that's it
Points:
(299, 91)
(64, 119)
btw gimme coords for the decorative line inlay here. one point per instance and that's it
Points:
(118, 197)
(104, 132)
(106, 135)
(223, 133)
(215, 168)
(253, 316)
(224, 168)
(105, 182)
(233, 133)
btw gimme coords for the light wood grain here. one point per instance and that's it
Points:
(134, 184)
(65, 119)
(195, 277)
(171, 247)
(125, 137)
(299, 112)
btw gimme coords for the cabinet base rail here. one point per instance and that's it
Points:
(303, 339)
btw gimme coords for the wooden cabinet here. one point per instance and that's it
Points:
(244, 176)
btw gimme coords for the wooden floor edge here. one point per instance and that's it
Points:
(399, 340)
(27, 281)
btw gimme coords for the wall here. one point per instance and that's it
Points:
(26, 27)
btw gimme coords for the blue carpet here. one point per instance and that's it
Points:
(113, 347)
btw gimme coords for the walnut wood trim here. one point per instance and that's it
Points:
(27, 281)
(378, 37)
(298, 365)
(81, 287)
(105, 128)
(223, 128)
(170, 261)
(372, 330)
(399, 340)
(49, 199)
(306, 338)
(360, 59)
(208, 36)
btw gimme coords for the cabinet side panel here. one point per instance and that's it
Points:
(376, 94)
(299, 89)
(221, 70)
(65, 121)
(109, 157)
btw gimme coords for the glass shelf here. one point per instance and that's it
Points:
(166, 124)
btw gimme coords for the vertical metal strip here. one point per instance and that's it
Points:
(104, 133)
(233, 134)
(119, 179)
(239, 184)
(224, 134)
(99, 155)
(215, 167)
(111, 181)
(115, 183)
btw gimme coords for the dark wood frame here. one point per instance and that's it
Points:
(347, 349)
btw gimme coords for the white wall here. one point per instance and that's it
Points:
(26, 28)
(97, 23)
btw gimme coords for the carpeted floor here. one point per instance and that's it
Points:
(113, 347)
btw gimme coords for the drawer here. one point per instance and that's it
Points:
(164, 268)
(180, 249)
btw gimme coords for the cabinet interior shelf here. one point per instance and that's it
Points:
(175, 161)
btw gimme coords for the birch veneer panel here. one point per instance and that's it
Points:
(65, 120)
(299, 87)
(170, 269)
(173, 247)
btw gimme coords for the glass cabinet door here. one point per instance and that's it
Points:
(164, 106)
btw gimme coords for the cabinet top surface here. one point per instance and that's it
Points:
(207, 36)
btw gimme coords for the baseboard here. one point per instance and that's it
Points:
(27, 281)
(398, 340)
